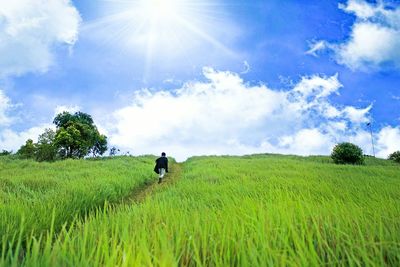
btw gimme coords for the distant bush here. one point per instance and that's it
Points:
(5, 153)
(395, 156)
(347, 153)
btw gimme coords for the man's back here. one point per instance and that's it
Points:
(162, 162)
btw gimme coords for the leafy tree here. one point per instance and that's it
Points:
(45, 148)
(64, 118)
(28, 150)
(77, 136)
(70, 141)
(347, 153)
(395, 156)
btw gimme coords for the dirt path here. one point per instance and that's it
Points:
(141, 193)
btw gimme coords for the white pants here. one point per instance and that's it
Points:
(162, 172)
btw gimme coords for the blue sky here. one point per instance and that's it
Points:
(335, 65)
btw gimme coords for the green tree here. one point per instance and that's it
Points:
(395, 156)
(65, 118)
(27, 151)
(347, 153)
(45, 147)
(77, 136)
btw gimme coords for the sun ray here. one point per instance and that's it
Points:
(164, 28)
(207, 37)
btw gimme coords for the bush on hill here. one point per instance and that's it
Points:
(347, 153)
(395, 156)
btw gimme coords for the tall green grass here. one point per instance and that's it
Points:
(242, 211)
(37, 196)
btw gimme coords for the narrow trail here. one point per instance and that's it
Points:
(140, 194)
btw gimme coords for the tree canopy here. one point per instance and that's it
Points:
(76, 136)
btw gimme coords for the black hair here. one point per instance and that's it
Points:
(163, 154)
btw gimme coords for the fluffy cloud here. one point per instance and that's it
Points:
(226, 115)
(374, 41)
(388, 141)
(5, 105)
(12, 140)
(30, 29)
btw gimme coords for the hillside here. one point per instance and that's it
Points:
(212, 211)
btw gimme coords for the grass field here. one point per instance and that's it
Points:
(35, 196)
(233, 211)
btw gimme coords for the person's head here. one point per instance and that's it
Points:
(163, 154)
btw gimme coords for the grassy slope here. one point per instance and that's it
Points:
(36, 193)
(247, 211)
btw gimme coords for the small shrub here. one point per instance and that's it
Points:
(395, 156)
(347, 153)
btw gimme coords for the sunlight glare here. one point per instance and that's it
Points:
(161, 9)
(165, 30)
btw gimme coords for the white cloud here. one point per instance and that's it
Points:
(388, 141)
(5, 105)
(360, 8)
(12, 140)
(225, 115)
(374, 40)
(357, 115)
(30, 29)
(370, 46)
(305, 142)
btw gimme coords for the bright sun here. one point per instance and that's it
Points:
(163, 29)
(161, 9)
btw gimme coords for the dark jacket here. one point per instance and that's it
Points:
(162, 162)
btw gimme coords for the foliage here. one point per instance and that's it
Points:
(395, 156)
(65, 118)
(45, 148)
(28, 150)
(235, 211)
(5, 153)
(77, 136)
(347, 153)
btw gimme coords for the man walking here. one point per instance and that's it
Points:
(161, 166)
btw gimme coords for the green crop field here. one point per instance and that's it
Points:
(261, 210)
